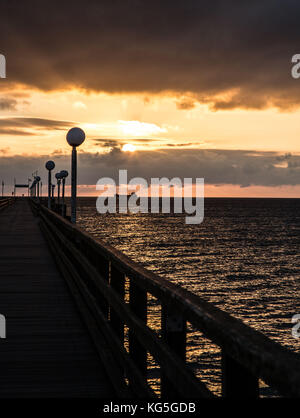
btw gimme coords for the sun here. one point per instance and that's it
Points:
(129, 147)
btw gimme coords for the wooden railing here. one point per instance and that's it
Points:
(4, 202)
(95, 273)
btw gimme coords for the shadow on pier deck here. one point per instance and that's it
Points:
(50, 352)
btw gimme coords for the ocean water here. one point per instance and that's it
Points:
(244, 258)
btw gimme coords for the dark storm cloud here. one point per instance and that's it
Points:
(244, 168)
(204, 48)
(22, 126)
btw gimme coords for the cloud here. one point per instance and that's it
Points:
(79, 105)
(24, 126)
(118, 142)
(226, 54)
(237, 167)
(137, 128)
(243, 168)
(7, 103)
(12, 131)
(107, 142)
(186, 103)
(184, 144)
(4, 150)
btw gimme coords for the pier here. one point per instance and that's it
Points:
(67, 298)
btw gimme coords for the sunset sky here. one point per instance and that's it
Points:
(198, 89)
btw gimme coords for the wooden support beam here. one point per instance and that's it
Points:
(138, 305)
(237, 381)
(173, 326)
(117, 282)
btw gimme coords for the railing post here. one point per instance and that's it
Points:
(138, 305)
(237, 381)
(173, 330)
(103, 267)
(117, 282)
(102, 264)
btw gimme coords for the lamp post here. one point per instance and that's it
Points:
(33, 188)
(49, 166)
(52, 194)
(29, 187)
(64, 174)
(38, 179)
(58, 178)
(75, 137)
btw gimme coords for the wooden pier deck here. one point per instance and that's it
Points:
(47, 351)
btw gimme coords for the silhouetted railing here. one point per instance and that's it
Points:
(60, 209)
(96, 272)
(4, 202)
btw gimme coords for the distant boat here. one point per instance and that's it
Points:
(128, 195)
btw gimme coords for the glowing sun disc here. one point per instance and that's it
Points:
(129, 147)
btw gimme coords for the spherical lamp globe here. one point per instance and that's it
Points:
(75, 137)
(50, 165)
(38, 178)
(64, 173)
(58, 176)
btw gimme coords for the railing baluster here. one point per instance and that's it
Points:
(102, 265)
(173, 327)
(237, 381)
(117, 282)
(138, 305)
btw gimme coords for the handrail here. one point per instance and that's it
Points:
(4, 202)
(247, 355)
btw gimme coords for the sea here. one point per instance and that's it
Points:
(243, 258)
